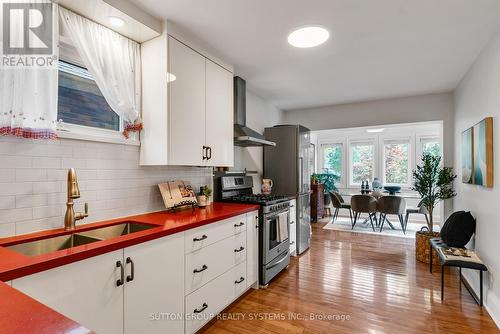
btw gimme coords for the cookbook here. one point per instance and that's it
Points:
(177, 193)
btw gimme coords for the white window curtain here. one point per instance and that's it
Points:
(28, 95)
(114, 62)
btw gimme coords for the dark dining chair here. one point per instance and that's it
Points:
(364, 204)
(420, 209)
(338, 203)
(392, 205)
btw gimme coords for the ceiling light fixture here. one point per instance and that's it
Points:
(308, 37)
(116, 21)
(375, 130)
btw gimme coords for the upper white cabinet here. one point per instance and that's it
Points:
(187, 107)
(219, 115)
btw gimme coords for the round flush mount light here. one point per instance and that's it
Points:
(308, 37)
(375, 130)
(116, 21)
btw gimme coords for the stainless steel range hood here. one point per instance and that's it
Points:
(243, 135)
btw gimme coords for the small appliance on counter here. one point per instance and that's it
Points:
(274, 221)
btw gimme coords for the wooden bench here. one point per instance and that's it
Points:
(472, 261)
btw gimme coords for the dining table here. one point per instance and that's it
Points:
(378, 194)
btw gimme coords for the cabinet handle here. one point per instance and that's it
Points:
(203, 268)
(132, 271)
(240, 280)
(205, 157)
(203, 308)
(292, 243)
(122, 273)
(240, 224)
(239, 249)
(209, 153)
(291, 223)
(203, 237)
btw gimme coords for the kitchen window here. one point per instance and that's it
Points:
(361, 162)
(82, 111)
(396, 162)
(332, 159)
(80, 101)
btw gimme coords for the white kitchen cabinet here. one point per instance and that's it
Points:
(209, 262)
(204, 236)
(204, 304)
(219, 115)
(252, 248)
(153, 289)
(85, 291)
(187, 105)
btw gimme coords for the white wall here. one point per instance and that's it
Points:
(422, 108)
(260, 114)
(33, 182)
(478, 96)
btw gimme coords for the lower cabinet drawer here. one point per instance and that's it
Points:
(209, 262)
(204, 236)
(205, 303)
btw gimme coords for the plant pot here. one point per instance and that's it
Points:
(202, 201)
(422, 247)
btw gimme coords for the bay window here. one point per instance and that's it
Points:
(332, 159)
(396, 162)
(361, 162)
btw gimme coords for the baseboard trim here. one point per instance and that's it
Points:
(491, 302)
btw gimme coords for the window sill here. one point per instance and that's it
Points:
(114, 139)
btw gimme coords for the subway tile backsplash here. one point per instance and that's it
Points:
(33, 182)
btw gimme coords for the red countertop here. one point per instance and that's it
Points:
(14, 265)
(22, 314)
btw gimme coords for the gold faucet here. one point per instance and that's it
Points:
(73, 193)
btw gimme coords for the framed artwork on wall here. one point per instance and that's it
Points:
(467, 156)
(477, 154)
(483, 153)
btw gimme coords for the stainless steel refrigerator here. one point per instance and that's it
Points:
(288, 165)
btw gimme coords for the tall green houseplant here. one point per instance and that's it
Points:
(434, 184)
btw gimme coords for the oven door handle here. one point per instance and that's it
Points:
(274, 265)
(275, 214)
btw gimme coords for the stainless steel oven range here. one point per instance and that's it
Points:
(274, 222)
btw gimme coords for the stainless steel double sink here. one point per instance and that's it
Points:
(53, 244)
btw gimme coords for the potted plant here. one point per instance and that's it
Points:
(328, 180)
(207, 192)
(434, 184)
(203, 198)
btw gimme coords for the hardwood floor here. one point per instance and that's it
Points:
(373, 280)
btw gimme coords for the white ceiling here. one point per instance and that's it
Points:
(377, 49)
